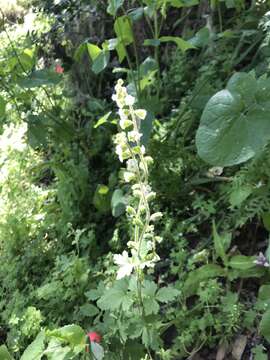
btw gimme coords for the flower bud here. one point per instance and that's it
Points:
(131, 211)
(155, 217)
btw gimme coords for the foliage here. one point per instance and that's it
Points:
(194, 92)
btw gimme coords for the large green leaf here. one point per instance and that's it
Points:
(35, 349)
(4, 354)
(123, 30)
(101, 61)
(235, 123)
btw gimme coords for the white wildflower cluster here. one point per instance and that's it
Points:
(142, 246)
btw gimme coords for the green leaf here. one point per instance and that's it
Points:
(116, 297)
(183, 3)
(89, 310)
(72, 334)
(151, 42)
(118, 203)
(121, 52)
(266, 220)
(221, 243)
(136, 14)
(101, 198)
(2, 107)
(201, 38)
(123, 30)
(101, 61)
(79, 52)
(264, 293)
(239, 195)
(113, 6)
(35, 349)
(203, 273)
(167, 294)
(265, 325)
(41, 78)
(102, 120)
(93, 51)
(242, 262)
(4, 354)
(234, 125)
(182, 44)
(55, 351)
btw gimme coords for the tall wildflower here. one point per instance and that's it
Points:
(141, 251)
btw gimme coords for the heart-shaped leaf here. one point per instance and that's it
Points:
(235, 124)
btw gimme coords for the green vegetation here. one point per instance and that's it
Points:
(134, 180)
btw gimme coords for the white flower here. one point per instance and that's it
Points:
(125, 264)
(143, 149)
(119, 152)
(125, 123)
(130, 100)
(132, 165)
(140, 113)
(134, 136)
(128, 176)
(123, 113)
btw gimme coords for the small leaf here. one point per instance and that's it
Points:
(102, 120)
(2, 107)
(183, 3)
(242, 262)
(101, 198)
(167, 294)
(182, 44)
(239, 195)
(264, 293)
(113, 6)
(266, 220)
(89, 310)
(201, 38)
(221, 243)
(118, 203)
(151, 42)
